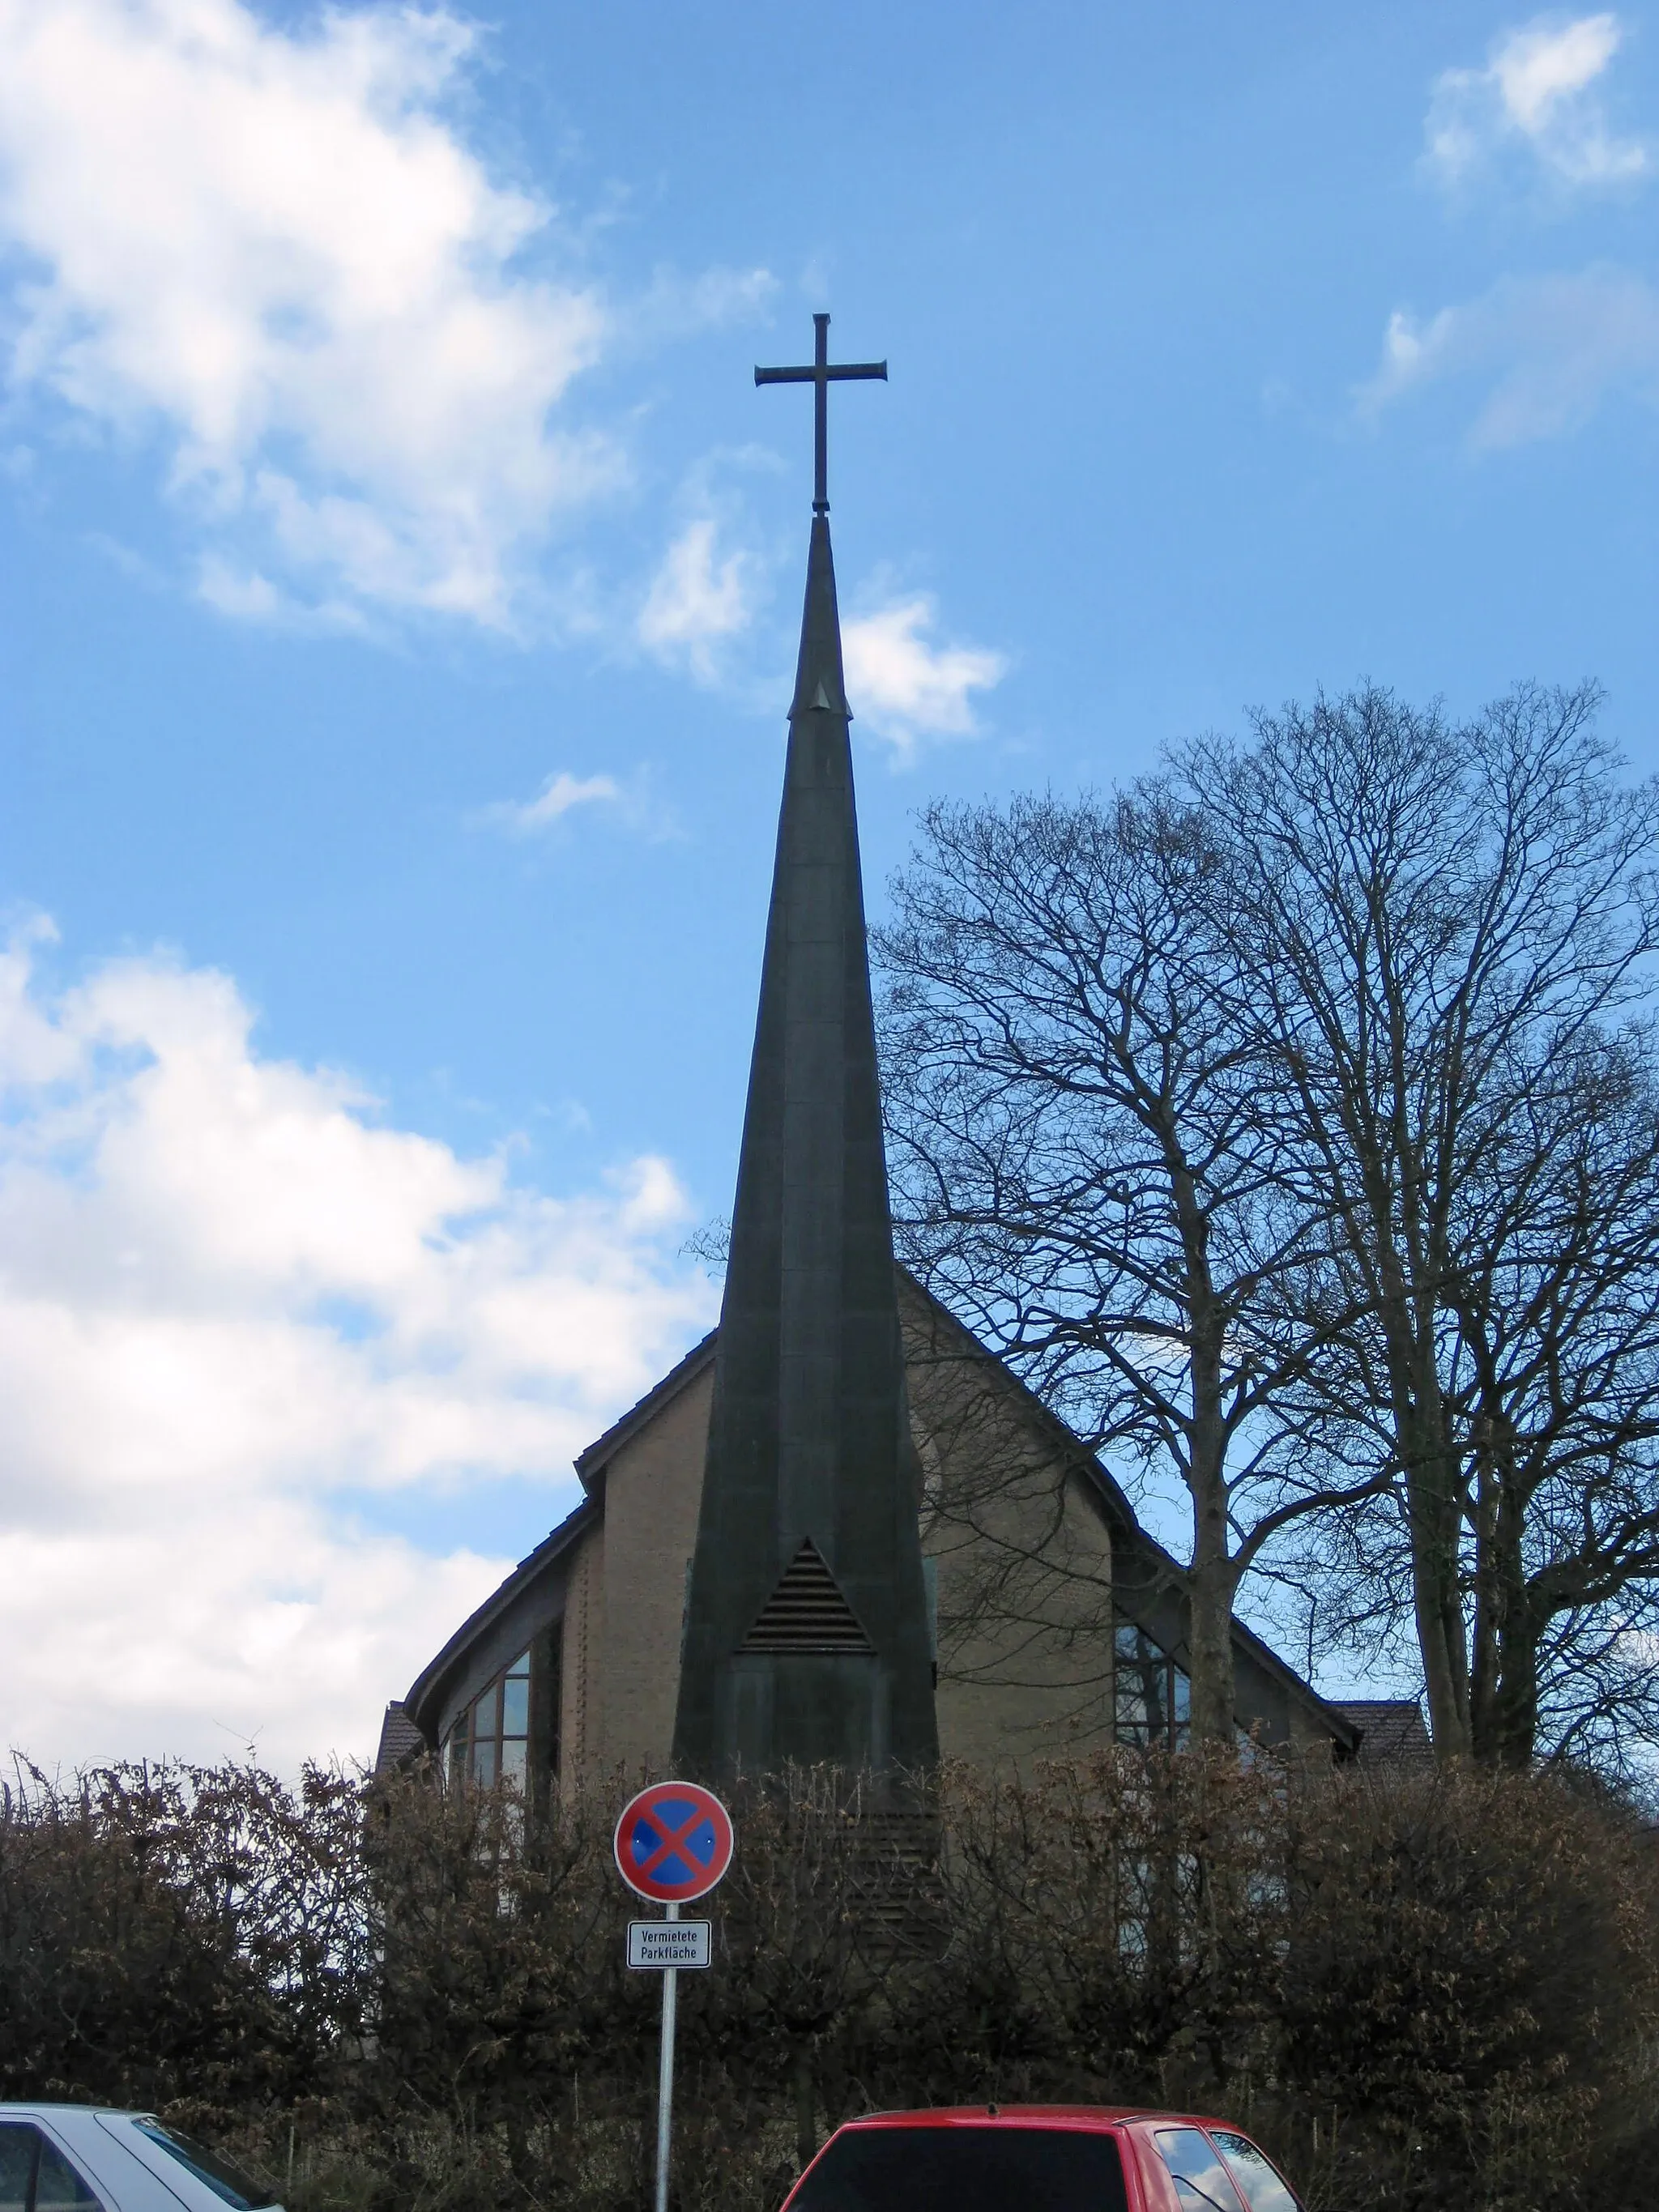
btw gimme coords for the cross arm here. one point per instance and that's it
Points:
(810, 375)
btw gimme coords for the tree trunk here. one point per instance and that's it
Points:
(1429, 1474)
(1511, 1733)
(1515, 1711)
(1210, 1627)
(806, 2108)
(1433, 1521)
(1214, 1576)
(1488, 1598)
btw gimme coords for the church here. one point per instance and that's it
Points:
(839, 1529)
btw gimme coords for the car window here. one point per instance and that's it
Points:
(222, 2175)
(35, 2176)
(18, 2144)
(1265, 2188)
(965, 2169)
(1202, 2183)
(57, 2186)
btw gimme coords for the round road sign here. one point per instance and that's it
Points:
(673, 1842)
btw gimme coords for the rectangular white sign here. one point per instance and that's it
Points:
(670, 1942)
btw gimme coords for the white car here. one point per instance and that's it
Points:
(85, 2158)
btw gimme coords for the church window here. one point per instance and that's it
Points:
(1153, 1696)
(490, 1740)
(455, 1746)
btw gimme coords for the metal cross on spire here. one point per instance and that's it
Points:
(821, 375)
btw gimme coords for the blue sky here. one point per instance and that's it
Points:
(403, 571)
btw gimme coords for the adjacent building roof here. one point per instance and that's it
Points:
(400, 1740)
(1391, 1731)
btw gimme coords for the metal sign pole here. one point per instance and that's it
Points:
(673, 1842)
(665, 2074)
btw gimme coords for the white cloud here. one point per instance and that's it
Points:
(1550, 348)
(231, 1302)
(558, 794)
(700, 598)
(1534, 94)
(638, 804)
(243, 593)
(274, 248)
(674, 303)
(907, 685)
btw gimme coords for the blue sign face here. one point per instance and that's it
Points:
(671, 1843)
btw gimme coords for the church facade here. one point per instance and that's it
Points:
(839, 1530)
(1056, 1622)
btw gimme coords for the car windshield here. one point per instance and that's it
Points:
(1006, 2168)
(222, 2175)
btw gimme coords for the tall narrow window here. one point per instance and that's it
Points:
(546, 1701)
(1152, 1695)
(513, 1764)
(456, 1744)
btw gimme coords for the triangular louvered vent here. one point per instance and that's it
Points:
(806, 1612)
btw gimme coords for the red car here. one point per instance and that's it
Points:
(1040, 2157)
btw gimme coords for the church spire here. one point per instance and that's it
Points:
(806, 1630)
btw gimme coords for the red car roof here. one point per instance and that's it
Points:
(1026, 2116)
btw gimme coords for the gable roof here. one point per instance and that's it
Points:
(1165, 1571)
(590, 1465)
(590, 1461)
(551, 1547)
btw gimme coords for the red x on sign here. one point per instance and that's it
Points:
(673, 1842)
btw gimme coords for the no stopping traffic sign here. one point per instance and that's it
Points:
(673, 1842)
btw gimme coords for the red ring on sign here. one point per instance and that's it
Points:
(673, 1842)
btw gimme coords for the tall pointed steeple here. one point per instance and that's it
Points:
(806, 1628)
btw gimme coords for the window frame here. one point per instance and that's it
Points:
(1220, 2137)
(1171, 1732)
(1189, 2192)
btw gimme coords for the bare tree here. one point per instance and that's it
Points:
(1442, 933)
(1549, 1352)
(1082, 1168)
